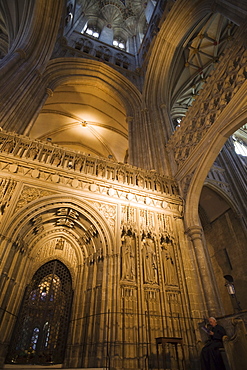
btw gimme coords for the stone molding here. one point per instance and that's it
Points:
(45, 162)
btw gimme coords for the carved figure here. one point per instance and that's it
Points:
(9, 146)
(56, 160)
(120, 176)
(78, 165)
(168, 265)
(149, 261)
(128, 268)
(32, 153)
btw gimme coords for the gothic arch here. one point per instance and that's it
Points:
(173, 34)
(62, 70)
(39, 234)
(216, 138)
(50, 203)
(87, 239)
(221, 194)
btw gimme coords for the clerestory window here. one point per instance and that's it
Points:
(119, 44)
(92, 31)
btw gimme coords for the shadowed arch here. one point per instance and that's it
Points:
(212, 146)
(180, 22)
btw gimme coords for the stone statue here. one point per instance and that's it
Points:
(168, 265)
(128, 268)
(32, 152)
(149, 262)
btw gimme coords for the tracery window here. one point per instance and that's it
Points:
(41, 329)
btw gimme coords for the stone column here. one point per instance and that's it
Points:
(21, 68)
(205, 272)
(139, 140)
(106, 35)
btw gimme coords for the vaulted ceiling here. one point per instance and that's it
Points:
(86, 118)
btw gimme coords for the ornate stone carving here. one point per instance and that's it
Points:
(29, 194)
(147, 220)
(35, 159)
(108, 211)
(59, 247)
(226, 81)
(7, 187)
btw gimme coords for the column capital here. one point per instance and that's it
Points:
(163, 106)
(194, 232)
(129, 119)
(49, 91)
(21, 52)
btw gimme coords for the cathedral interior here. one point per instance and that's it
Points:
(123, 156)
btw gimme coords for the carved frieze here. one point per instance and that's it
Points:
(108, 211)
(45, 161)
(30, 194)
(219, 90)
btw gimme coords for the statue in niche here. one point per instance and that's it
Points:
(121, 176)
(100, 171)
(158, 186)
(78, 164)
(168, 262)
(128, 266)
(56, 159)
(140, 181)
(9, 146)
(32, 152)
(149, 261)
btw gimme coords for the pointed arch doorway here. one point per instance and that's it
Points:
(41, 329)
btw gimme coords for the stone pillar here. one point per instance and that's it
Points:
(139, 144)
(106, 35)
(205, 272)
(21, 68)
(149, 10)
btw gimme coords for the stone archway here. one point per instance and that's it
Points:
(71, 232)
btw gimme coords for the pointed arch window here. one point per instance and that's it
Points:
(41, 329)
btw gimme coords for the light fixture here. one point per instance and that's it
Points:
(84, 123)
(231, 290)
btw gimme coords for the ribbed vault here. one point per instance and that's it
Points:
(87, 109)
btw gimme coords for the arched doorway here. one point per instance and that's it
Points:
(42, 325)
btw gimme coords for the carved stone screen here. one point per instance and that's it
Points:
(42, 325)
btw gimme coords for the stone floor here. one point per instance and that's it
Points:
(33, 367)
